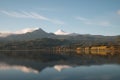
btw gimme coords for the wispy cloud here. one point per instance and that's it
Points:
(32, 15)
(118, 12)
(46, 9)
(81, 18)
(93, 21)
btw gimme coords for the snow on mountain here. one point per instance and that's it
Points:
(61, 32)
(74, 34)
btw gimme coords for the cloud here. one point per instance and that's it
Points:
(93, 22)
(81, 18)
(46, 9)
(118, 12)
(32, 15)
(104, 23)
(23, 31)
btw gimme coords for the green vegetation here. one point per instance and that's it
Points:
(33, 44)
(60, 44)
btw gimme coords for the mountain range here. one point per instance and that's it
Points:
(60, 34)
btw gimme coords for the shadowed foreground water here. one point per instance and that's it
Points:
(33, 65)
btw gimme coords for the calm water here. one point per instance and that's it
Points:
(49, 66)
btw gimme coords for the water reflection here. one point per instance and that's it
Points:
(58, 66)
(97, 52)
(25, 69)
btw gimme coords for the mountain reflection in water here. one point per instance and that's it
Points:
(44, 63)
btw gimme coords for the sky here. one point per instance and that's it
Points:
(96, 17)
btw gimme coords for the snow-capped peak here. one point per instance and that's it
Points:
(61, 32)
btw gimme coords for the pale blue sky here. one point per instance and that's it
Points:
(98, 17)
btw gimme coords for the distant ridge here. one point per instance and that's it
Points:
(59, 34)
(36, 34)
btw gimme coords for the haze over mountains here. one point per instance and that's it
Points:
(24, 31)
(38, 33)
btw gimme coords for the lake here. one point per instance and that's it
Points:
(36, 65)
